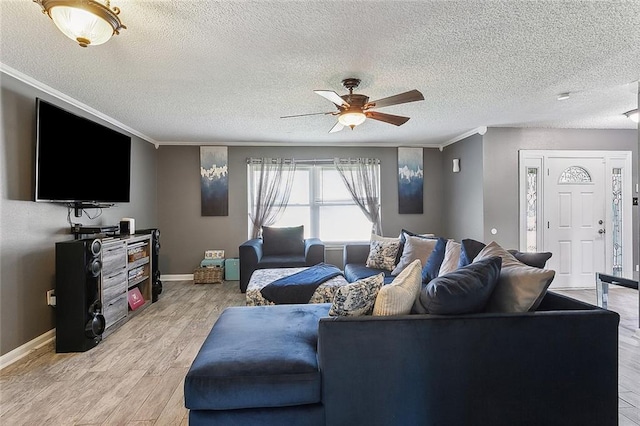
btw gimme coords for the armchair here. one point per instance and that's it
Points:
(278, 248)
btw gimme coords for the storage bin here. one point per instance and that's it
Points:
(232, 269)
(208, 275)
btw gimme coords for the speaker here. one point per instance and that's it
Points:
(156, 284)
(79, 319)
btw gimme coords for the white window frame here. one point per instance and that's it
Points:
(315, 202)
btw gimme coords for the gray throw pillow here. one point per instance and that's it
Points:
(520, 287)
(415, 248)
(278, 241)
(463, 291)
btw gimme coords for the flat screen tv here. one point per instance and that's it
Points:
(79, 160)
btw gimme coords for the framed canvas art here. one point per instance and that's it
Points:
(410, 181)
(214, 181)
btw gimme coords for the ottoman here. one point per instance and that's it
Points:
(258, 362)
(261, 277)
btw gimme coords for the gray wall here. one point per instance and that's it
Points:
(462, 198)
(186, 234)
(29, 230)
(500, 157)
(165, 193)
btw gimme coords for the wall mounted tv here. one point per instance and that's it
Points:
(78, 160)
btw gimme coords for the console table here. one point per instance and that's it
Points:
(602, 288)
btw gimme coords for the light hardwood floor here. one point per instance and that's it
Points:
(135, 375)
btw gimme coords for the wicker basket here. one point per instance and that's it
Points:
(208, 275)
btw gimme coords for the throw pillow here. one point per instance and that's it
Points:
(357, 298)
(451, 258)
(414, 248)
(404, 233)
(520, 287)
(463, 291)
(432, 267)
(535, 259)
(277, 241)
(398, 297)
(382, 255)
(469, 249)
(375, 237)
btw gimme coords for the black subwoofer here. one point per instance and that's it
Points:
(156, 284)
(79, 319)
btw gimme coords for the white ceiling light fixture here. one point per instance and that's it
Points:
(633, 115)
(88, 22)
(352, 118)
(563, 96)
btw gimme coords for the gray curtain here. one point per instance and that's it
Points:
(270, 191)
(362, 177)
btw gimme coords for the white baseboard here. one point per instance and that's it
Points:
(177, 277)
(24, 350)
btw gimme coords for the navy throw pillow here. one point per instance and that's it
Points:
(432, 266)
(463, 291)
(469, 249)
(277, 241)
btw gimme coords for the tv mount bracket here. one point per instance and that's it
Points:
(78, 207)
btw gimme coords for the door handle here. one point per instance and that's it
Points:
(601, 231)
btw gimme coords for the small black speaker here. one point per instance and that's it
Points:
(79, 319)
(156, 284)
(125, 227)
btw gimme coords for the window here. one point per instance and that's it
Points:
(321, 202)
(532, 209)
(575, 174)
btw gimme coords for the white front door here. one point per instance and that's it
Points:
(575, 216)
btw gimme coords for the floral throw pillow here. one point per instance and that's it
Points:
(382, 255)
(357, 298)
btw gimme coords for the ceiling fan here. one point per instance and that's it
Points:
(354, 109)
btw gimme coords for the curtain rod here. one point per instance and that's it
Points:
(251, 160)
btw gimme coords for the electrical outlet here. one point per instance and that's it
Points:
(51, 298)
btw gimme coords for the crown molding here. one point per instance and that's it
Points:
(478, 130)
(68, 99)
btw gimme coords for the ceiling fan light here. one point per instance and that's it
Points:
(352, 118)
(633, 115)
(88, 22)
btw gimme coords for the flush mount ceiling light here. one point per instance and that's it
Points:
(88, 22)
(633, 115)
(563, 96)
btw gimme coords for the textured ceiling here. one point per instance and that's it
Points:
(201, 72)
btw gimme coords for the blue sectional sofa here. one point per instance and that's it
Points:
(295, 365)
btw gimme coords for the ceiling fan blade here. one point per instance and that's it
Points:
(396, 120)
(402, 98)
(336, 128)
(333, 97)
(304, 115)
